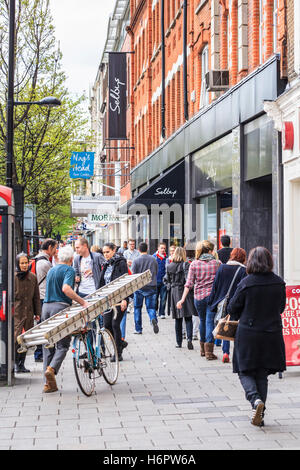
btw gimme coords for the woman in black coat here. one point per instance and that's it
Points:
(224, 277)
(175, 280)
(259, 348)
(114, 267)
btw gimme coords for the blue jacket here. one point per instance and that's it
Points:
(161, 268)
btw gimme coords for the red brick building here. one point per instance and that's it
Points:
(233, 35)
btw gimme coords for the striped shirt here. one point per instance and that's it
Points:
(201, 277)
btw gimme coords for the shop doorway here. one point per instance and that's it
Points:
(256, 213)
(216, 217)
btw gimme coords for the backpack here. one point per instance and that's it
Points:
(34, 263)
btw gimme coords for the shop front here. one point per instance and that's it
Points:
(235, 187)
(157, 212)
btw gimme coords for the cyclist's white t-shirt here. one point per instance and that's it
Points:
(87, 283)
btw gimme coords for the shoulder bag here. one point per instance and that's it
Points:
(221, 308)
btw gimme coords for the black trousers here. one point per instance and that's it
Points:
(255, 385)
(113, 325)
(178, 329)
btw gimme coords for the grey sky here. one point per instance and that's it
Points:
(81, 28)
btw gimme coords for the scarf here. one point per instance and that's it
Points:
(160, 257)
(207, 257)
(237, 263)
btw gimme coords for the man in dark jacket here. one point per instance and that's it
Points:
(148, 292)
(88, 267)
(161, 257)
(224, 252)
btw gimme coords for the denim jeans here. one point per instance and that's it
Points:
(162, 296)
(206, 320)
(123, 325)
(150, 301)
(255, 385)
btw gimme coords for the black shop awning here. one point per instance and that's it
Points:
(169, 188)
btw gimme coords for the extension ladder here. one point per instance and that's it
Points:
(76, 317)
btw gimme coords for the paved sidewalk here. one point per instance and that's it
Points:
(165, 398)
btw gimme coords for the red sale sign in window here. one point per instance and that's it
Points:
(291, 325)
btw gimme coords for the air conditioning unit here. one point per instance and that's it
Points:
(217, 80)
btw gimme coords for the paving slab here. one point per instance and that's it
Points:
(165, 399)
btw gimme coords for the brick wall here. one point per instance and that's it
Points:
(240, 36)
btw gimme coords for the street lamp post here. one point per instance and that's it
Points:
(8, 267)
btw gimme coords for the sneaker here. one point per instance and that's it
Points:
(113, 358)
(162, 317)
(195, 338)
(190, 345)
(258, 413)
(225, 358)
(155, 326)
(137, 332)
(38, 359)
(178, 346)
(21, 369)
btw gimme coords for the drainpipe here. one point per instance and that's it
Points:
(163, 67)
(185, 88)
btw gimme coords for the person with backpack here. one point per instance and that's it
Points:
(40, 266)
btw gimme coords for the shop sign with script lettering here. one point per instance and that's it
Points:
(117, 96)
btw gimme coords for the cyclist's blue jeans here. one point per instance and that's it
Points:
(123, 325)
(150, 301)
(206, 320)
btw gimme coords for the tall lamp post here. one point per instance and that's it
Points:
(8, 268)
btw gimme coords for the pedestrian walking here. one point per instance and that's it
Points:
(88, 266)
(27, 305)
(115, 266)
(201, 277)
(168, 261)
(43, 263)
(161, 297)
(259, 349)
(131, 253)
(233, 270)
(123, 248)
(148, 292)
(225, 251)
(175, 279)
(59, 295)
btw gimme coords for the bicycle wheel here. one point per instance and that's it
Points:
(108, 353)
(83, 366)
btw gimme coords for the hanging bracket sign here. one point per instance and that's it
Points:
(82, 165)
(117, 96)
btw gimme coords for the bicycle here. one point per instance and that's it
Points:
(87, 360)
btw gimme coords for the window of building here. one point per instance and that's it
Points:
(275, 29)
(204, 97)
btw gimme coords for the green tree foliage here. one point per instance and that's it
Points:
(43, 137)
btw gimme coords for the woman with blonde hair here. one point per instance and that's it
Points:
(175, 278)
(201, 277)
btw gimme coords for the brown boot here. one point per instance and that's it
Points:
(209, 351)
(202, 351)
(51, 381)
